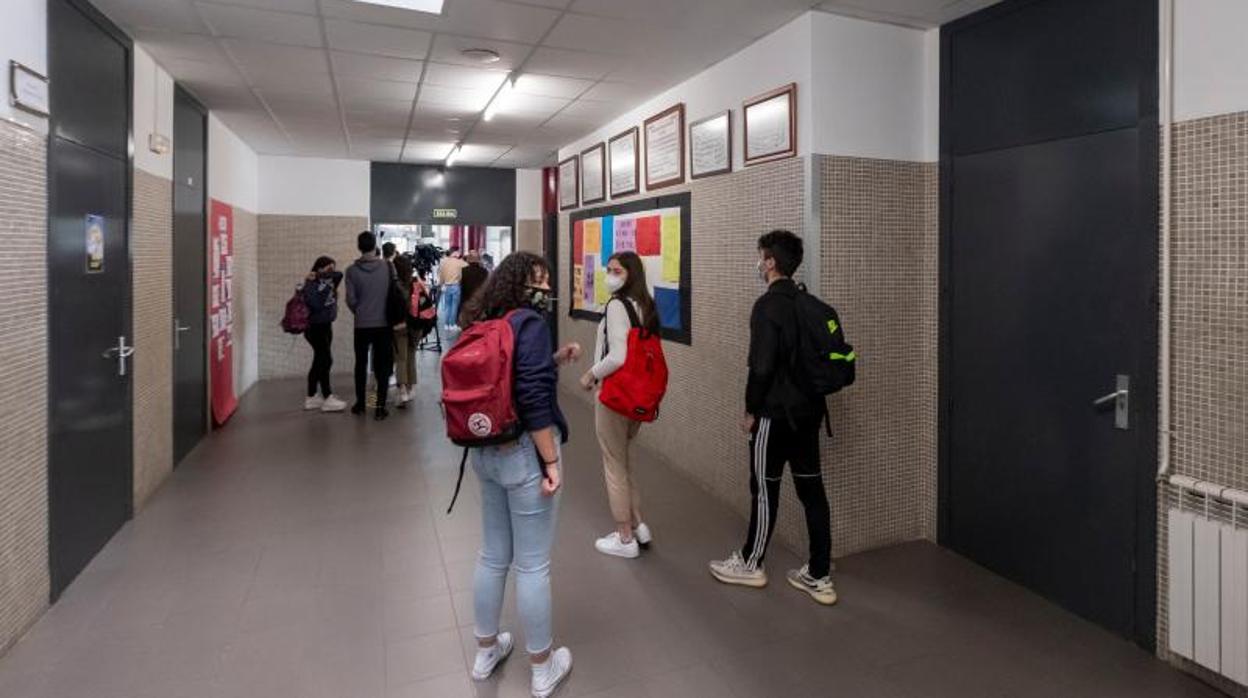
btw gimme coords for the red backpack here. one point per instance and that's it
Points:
(637, 388)
(295, 319)
(477, 389)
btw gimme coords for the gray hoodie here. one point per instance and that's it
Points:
(368, 282)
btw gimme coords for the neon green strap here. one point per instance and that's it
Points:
(832, 326)
(850, 357)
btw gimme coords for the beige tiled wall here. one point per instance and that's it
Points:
(248, 325)
(876, 469)
(151, 239)
(288, 245)
(23, 380)
(1210, 328)
(880, 271)
(529, 236)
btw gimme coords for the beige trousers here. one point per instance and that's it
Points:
(404, 359)
(615, 433)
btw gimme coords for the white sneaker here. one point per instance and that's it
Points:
(488, 658)
(315, 402)
(548, 675)
(611, 544)
(735, 571)
(333, 404)
(405, 395)
(820, 590)
(642, 535)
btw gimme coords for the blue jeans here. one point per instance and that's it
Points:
(518, 528)
(450, 304)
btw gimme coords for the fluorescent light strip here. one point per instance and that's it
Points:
(453, 155)
(509, 84)
(433, 7)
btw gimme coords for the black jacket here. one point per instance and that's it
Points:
(769, 392)
(321, 297)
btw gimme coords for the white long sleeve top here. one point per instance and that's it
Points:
(613, 351)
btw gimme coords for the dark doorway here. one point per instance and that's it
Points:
(90, 467)
(550, 250)
(1049, 186)
(190, 176)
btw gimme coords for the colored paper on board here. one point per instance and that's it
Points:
(601, 294)
(608, 238)
(654, 271)
(578, 240)
(648, 240)
(593, 236)
(625, 235)
(587, 281)
(671, 249)
(578, 287)
(667, 300)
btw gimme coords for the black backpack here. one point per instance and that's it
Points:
(824, 362)
(397, 302)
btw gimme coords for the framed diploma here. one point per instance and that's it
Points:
(625, 167)
(569, 183)
(593, 174)
(28, 90)
(771, 125)
(710, 145)
(665, 148)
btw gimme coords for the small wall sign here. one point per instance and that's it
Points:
(28, 90)
(445, 213)
(95, 243)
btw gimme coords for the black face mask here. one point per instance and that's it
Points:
(541, 300)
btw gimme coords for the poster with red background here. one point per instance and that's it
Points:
(221, 311)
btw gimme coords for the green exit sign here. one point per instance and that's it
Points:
(445, 213)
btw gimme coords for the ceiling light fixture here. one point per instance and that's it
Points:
(500, 97)
(481, 55)
(453, 155)
(433, 7)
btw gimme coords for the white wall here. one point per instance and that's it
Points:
(153, 112)
(314, 186)
(773, 61)
(23, 38)
(1211, 58)
(528, 195)
(233, 168)
(870, 88)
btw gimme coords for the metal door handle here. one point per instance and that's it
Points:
(177, 333)
(122, 351)
(1121, 398)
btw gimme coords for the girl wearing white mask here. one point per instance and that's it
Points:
(630, 305)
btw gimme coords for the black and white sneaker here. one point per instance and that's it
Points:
(820, 590)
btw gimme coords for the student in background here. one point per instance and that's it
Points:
(404, 337)
(320, 294)
(783, 424)
(471, 281)
(450, 273)
(626, 279)
(368, 283)
(520, 480)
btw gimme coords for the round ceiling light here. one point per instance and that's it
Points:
(481, 55)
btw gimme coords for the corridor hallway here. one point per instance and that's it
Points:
(309, 555)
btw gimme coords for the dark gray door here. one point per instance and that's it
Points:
(190, 391)
(1049, 246)
(89, 392)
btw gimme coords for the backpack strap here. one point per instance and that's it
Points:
(458, 482)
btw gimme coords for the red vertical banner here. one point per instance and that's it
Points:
(221, 311)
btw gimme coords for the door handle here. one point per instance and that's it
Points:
(1121, 398)
(122, 351)
(177, 333)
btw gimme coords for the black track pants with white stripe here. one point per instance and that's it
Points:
(774, 443)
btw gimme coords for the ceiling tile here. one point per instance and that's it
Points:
(426, 151)
(464, 77)
(224, 98)
(617, 92)
(592, 110)
(584, 33)
(551, 86)
(262, 57)
(174, 15)
(573, 64)
(667, 11)
(168, 45)
(481, 153)
(532, 104)
(304, 6)
(364, 89)
(262, 25)
(358, 65)
(219, 73)
(294, 84)
(447, 48)
(470, 100)
(487, 19)
(376, 39)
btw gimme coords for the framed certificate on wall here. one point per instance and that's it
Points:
(569, 183)
(593, 174)
(625, 167)
(665, 148)
(770, 125)
(710, 145)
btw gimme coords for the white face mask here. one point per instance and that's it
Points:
(615, 282)
(762, 271)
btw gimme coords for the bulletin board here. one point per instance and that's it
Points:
(659, 231)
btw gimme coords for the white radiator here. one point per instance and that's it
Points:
(1208, 581)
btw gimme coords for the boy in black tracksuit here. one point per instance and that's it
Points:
(783, 423)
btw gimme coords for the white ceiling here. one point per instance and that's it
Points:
(336, 78)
